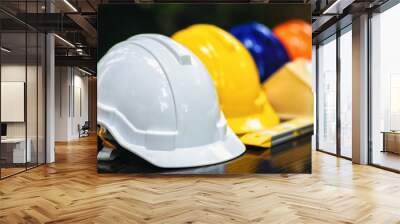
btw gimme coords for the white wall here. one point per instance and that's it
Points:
(80, 108)
(70, 83)
(62, 81)
(15, 72)
(33, 127)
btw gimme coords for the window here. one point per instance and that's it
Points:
(385, 89)
(22, 66)
(327, 95)
(346, 92)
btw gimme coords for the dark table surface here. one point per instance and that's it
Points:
(292, 157)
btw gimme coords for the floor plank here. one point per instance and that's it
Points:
(71, 191)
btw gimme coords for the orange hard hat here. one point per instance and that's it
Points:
(296, 36)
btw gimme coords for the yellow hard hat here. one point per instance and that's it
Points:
(235, 76)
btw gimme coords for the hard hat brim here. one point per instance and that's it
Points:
(218, 152)
(255, 122)
(227, 149)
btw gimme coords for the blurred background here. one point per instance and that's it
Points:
(119, 22)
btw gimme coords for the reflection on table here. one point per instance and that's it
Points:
(292, 157)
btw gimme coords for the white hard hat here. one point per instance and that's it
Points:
(158, 101)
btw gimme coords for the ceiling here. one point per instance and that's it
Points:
(74, 21)
(332, 15)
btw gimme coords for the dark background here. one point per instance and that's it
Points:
(116, 23)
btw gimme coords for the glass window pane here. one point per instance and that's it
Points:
(14, 153)
(41, 98)
(327, 96)
(314, 74)
(346, 94)
(22, 91)
(32, 88)
(385, 114)
(32, 95)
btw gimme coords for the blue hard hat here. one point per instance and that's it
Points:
(267, 51)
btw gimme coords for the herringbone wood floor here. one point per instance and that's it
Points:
(71, 191)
